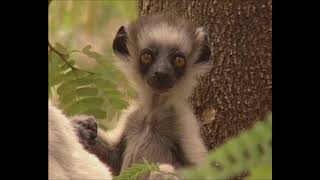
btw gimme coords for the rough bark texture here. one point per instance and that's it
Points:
(238, 90)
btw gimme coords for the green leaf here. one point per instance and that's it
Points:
(67, 99)
(83, 105)
(49, 91)
(114, 93)
(57, 78)
(86, 91)
(59, 47)
(99, 58)
(74, 87)
(137, 170)
(55, 75)
(69, 75)
(72, 83)
(92, 101)
(118, 103)
(245, 152)
(65, 66)
(131, 93)
(83, 81)
(86, 50)
(97, 113)
(66, 88)
(263, 172)
(75, 108)
(133, 172)
(103, 83)
(56, 59)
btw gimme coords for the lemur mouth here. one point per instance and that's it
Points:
(160, 91)
(160, 87)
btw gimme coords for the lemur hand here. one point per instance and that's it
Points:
(87, 129)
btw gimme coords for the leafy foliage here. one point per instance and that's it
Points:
(75, 24)
(137, 170)
(251, 150)
(82, 92)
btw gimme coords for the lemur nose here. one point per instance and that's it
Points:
(161, 76)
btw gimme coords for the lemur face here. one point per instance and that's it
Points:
(161, 66)
(162, 49)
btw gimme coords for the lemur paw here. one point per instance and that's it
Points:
(87, 129)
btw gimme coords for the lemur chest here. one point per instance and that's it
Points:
(154, 137)
(161, 122)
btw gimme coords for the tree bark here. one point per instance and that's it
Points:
(238, 90)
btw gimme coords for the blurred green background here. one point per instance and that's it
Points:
(75, 23)
(83, 30)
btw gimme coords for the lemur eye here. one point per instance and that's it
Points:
(146, 58)
(179, 61)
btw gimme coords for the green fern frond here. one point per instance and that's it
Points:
(245, 152)
(137, 170)
(80, 92)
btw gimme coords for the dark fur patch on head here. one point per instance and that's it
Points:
(162, 30)
(205, 52)
(120, 42)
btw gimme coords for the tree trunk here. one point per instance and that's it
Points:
(238, 90)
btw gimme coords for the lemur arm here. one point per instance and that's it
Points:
(108, 147)
(111, 155)
(191, 142)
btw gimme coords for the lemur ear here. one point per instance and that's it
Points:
(119, 44)
(205, 52)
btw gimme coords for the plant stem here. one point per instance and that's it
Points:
(62, 57)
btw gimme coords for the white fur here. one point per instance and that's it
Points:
(164, 34)
(67, 158)
(191, 142)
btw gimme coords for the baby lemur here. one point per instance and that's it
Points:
(162, 56)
